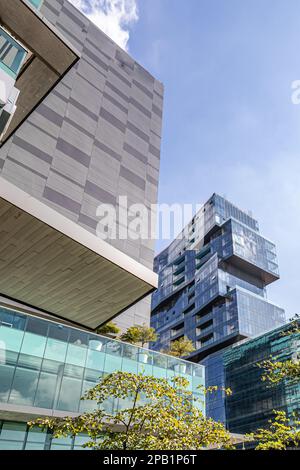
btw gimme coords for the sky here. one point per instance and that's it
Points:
(230, 125)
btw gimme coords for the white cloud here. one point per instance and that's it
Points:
(113, 17)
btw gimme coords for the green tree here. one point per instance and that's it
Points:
(180, 348)
(139, 335)
(283, 430)
(157, 415)
(110, 329)
(275, 371)
(294, 327)
(280, 434)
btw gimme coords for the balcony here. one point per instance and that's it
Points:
(12, 54)
(48, 57)
(205, 327)
(251, 252)
(12, 57)
(177, 331)
(45, 367)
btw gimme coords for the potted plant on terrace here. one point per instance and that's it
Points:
(180, 348)
(140, 335)
(110, 329)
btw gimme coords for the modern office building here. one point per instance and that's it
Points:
(45, 367)
(86, 129)
(212, 288)
(80, 125)
(252, 402)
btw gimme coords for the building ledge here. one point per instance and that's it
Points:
(50, 262)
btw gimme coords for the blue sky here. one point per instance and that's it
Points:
(229, 123)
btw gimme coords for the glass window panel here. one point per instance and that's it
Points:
(145, 369)
(10, 339)
(11, 445)
(12, 319)
(170, 374)
(33, 344)
(28, 361)
(36, 434)
(80, 338)
(37, 326)
(6, 374)
(62, 441)
(76, 355)
(92, 375)
(81, 439)
(24, 386)
(70, 394)
(159, 372)
(160, 360)
(87, 405)
(60, 447)
(97, 342)
(34, 446)
(59, 332)
(13, 431)
(112, 363)
(56, 350)
(129, 365)
(48, 388)
(95, 360)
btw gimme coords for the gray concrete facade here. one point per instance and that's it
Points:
(95, 137)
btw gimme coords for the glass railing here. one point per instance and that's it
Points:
(50, 365)
(177, 332)
(12, 54)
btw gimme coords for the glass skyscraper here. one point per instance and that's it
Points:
(212, 288)
(252, 402)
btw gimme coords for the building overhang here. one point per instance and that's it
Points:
(267, 277)
(50, 262)
(50, 56)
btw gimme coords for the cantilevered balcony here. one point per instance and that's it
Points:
(34, 56)
(12, 57)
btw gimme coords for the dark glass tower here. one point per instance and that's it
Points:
(212, 288)
(252, 402)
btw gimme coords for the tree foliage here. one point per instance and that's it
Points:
(156, 415)
(139, 334)
(215, 388)
(180, 348)
(294, 327)
(279, 435)
(276, 371)
(109, 328)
